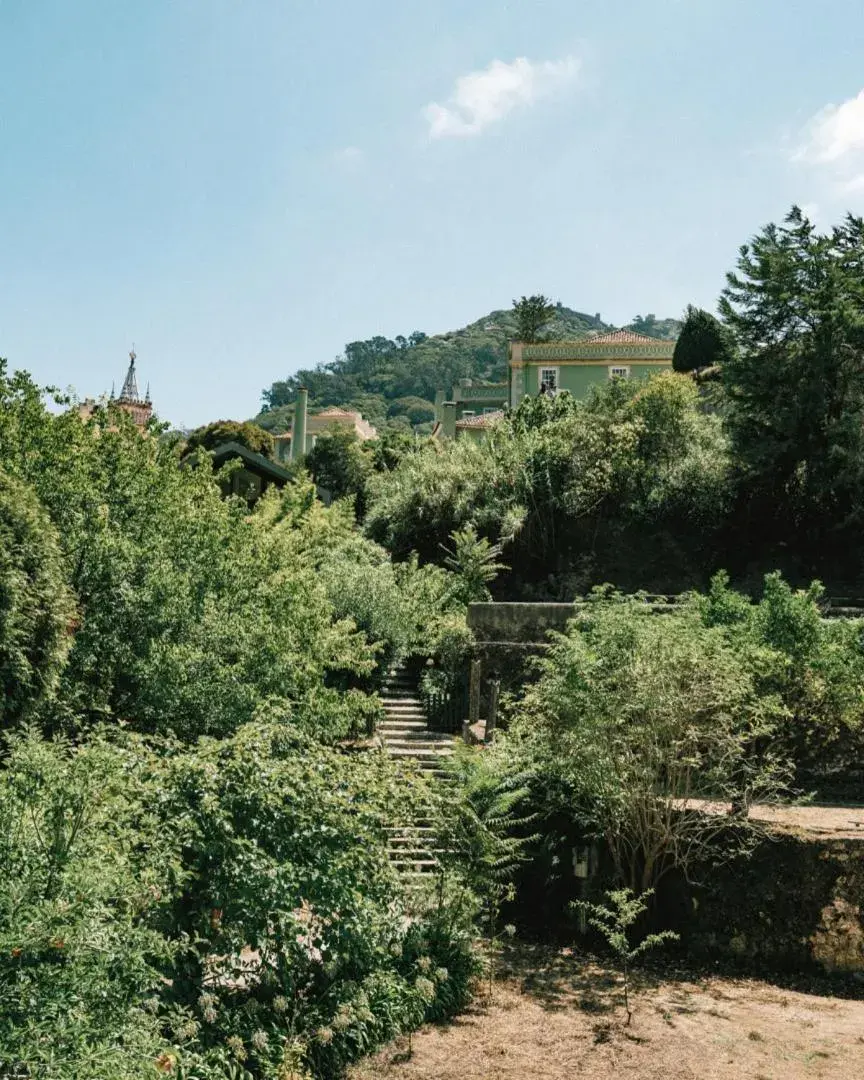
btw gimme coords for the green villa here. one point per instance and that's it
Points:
(578, 365)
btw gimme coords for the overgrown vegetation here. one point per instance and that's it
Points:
(195, 876)
(194, 869)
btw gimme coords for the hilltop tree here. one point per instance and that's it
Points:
(533, 313)
(703, 342)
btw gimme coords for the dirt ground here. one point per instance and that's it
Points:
(553, 1016)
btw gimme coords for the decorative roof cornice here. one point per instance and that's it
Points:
(608, 347)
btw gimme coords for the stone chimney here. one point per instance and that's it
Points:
(448, 419)
(298, 432)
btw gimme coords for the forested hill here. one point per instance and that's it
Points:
(393, 382)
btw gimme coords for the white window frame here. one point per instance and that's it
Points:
(542, 372)
(619, 371)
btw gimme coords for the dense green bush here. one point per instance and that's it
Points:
(338, 464)
(191, 615)
(812, 666)
(36, 607)
(247, 434)
(631, 485)
(229, 904)
(635, 715)
(402, 609)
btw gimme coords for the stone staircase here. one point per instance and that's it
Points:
(404, 733)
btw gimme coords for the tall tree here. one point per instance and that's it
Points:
(703, 342)
(533, 314)
(796, 384)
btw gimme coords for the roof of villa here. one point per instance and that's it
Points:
(481, 420)
(622, 337)
(616, 345)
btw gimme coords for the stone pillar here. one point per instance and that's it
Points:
(448, 419)
(473, 700)
(298, 433)
(492, 718)
(439, 401)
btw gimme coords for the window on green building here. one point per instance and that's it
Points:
(619, 372)
(549, 378)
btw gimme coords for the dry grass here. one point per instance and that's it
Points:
(553, 1016)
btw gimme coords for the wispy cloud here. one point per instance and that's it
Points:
(831, 144)
(834, 133)
(482, 98)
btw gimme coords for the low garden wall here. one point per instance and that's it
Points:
(796, 903)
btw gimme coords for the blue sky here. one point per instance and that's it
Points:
(242, 187)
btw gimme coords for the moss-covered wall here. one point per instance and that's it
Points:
(795, 902)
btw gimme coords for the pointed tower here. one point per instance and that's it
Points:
(129, 392)
(129, 400)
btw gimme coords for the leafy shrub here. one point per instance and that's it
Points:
(636, 719)
(632, 484)
(247, 434)
(36, 608)
(339, 465)
(83, 863)
(192, 616)
(814, 668)
(230, 904)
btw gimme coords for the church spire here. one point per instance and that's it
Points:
(129, 391)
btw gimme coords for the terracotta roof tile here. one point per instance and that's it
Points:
(622, 337)
(481, 420)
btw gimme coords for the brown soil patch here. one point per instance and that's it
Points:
(557, 1016)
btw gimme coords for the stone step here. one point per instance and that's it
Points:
(401, 701)
(420, 741)
(415, 864)
(411, 724)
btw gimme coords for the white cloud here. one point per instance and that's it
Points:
(834, 133)
(484, 97)
(831, 148)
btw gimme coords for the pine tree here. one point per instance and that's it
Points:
(533, 313)
(796, 384)
(703, 342)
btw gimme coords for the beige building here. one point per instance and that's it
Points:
(318, 423)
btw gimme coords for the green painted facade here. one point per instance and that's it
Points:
(576, 366)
